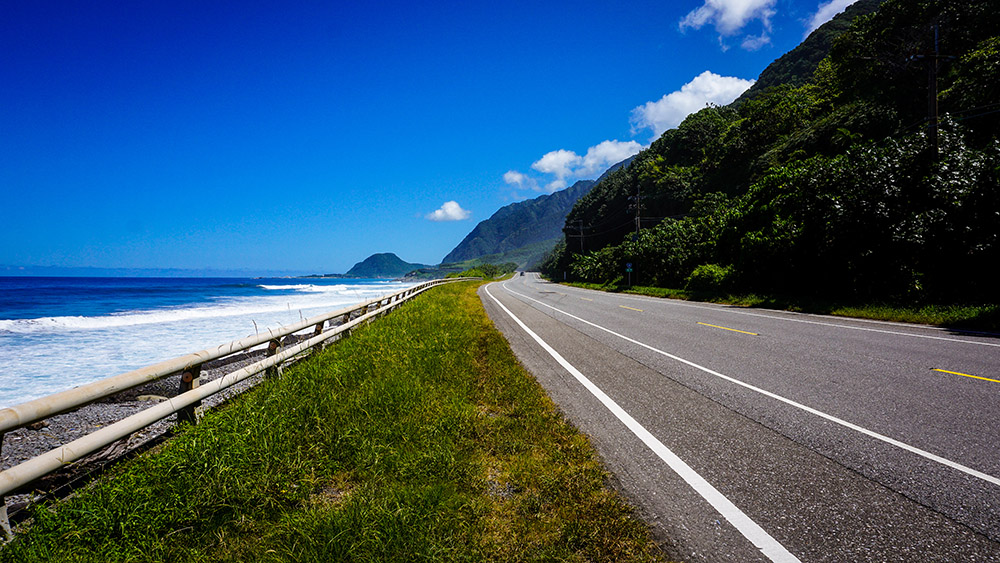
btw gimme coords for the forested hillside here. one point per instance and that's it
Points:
(836, 185)
(796, 67)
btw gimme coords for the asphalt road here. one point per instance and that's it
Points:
(756, 435)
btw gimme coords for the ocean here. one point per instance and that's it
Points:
(57, 333)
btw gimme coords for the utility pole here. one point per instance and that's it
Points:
(932, 90)
(580, 221)
(638, 207)
(636, 202)
(932, 103)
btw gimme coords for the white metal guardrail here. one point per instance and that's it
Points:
(190, 394)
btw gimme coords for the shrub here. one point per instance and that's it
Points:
(710, 277)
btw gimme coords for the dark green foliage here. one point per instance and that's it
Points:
(603, 215)
(710, 277)
(835, 185)
(974, 96)
(884, 57)
(796, 67)
(662, 181)
(878, 220)
(556, 262)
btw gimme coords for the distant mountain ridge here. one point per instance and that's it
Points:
(535, 223)
(382, 265)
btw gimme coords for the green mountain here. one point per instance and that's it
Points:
(521, 232)
(832, 179)
(384, 265)
(797, 66)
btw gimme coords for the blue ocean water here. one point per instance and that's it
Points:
(57, 333)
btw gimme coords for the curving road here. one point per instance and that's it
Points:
(755, 435)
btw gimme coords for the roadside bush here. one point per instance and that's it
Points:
(486, 270)
(710, 277)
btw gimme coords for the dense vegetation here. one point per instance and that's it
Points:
(795, 67)
(420, 438)
(838, 186)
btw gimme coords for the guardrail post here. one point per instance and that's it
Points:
(272, 349)
(4, 521)
(8, 534)
(190, 379)
(318, 330)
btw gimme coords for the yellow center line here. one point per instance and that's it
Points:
(586, 299)
(631, 308)
(732, 329)
(965, 375)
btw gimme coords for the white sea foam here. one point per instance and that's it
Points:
(307, 297)
(306, 287)
(46, 355)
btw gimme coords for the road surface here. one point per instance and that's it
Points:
(754, 435)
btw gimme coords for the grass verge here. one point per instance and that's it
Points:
(985, 317)
(418, 438)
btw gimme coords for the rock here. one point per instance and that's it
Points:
(151, 398)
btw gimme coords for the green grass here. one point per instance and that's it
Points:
(418, 438)
(984, 317)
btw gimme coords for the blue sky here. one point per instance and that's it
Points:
(305, 136)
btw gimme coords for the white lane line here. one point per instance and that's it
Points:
(674, 302)
(933, 457)
(750, 529)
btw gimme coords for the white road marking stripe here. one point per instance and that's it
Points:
(933, 457)
(753, 532)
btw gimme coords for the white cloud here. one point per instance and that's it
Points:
(729, 17)
(560, 163)
(672, 108)
(515, 178)
(754, 42)
(449, 211)
(601, 156)
(555, 185)
(566, 165)
(825, 13)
